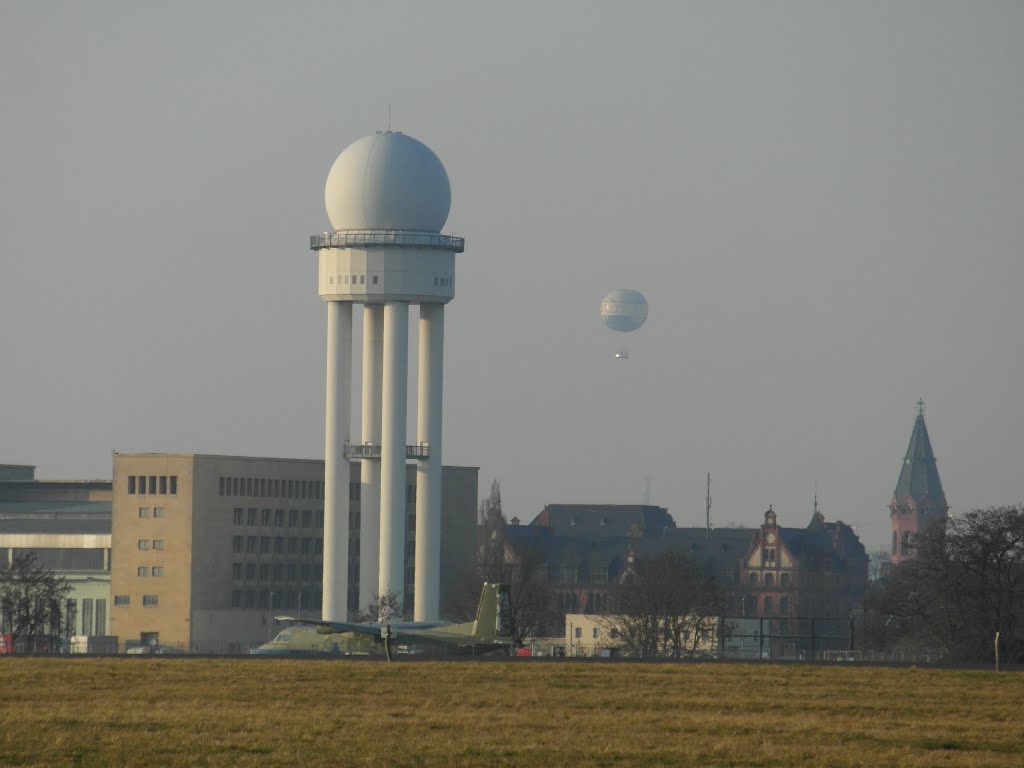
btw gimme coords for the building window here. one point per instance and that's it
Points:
(579, 633)
(239, 516)
(784, 581)
(306, 570)
(279, 518)
(293, 518)
(293, 545)
(236, 543)
(374, 279)
(220, 487)
(753, 579)
(159, 511)
(142, 484)
(266, 518)
(131, 490)
(250, 544)
(236, 571)
(158, 570)
(265, 545)
(278, 545)
(250, 571)
(142, 571)
(769, 581)
(152, 484)
(769, 554)
(158, 543)
(319, 547)
(264, 599)
(150, 601)
(306, 544)
(784, 604)
(251, 517)
(278, 572)
(143, 511)
(163, 484)
(263, 486)
(291, 571)
(265, 572)
(568, 574)
(122, 601)
(597, 633)
(307, 518)
(234, 486)
(599, 576)
(319, 518)
(174, 485)
(236, 598)
(143, 543)
(410, 494)
(768, 605)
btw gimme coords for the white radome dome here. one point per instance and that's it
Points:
(624, 310)
(388, 181)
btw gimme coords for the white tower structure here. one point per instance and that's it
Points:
(387, 198)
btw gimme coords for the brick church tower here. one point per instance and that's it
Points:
(918, 500)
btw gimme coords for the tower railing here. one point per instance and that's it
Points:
(372, 451)
(383, 237)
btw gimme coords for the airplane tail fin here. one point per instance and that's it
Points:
(493, 616)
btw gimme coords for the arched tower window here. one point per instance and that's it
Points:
(768, 606)
(784, 581)
(769, 581)
(894, 542)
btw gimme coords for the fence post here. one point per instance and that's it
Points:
(813, 638)
(997, 651)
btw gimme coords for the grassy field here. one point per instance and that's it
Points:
(276, 712)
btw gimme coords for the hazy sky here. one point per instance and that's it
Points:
(823, 203)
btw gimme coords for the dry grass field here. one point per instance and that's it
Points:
(277, 712)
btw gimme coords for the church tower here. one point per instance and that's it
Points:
(918, 500)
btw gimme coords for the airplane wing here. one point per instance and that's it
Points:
(375, 630)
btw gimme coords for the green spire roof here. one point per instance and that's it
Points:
(919, 478)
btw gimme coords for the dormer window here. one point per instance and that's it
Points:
(572, 522)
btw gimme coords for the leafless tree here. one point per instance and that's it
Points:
(31, 601)
(383, 609)
(967, 583)
(663, 606)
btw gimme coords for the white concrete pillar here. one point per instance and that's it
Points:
(336, 473)
(392, 450)
(428, 472)
(369, 492)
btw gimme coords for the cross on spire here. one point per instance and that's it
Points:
(920, 407)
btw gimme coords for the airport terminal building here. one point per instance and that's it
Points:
(207, 549)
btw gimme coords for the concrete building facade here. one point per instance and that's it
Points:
(207, 549)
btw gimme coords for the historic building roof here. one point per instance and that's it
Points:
(605, 520)
(919, 477)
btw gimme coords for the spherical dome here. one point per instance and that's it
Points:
(388, 181)
(624, 310)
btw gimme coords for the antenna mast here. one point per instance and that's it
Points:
(707, 507)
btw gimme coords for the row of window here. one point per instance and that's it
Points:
(785, 582)
(145, 570)
(162, 485)
(439, 282)
(154, 512)
(570, 575)
(769, 605)
(91, 620)
(277, 571)
(265, 599)
(595, 602)
(262, 544)
(145, 544)
(271, 488)
(276, 517)
(123, 601)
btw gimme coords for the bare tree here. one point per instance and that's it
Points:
(383, 609)
(31, 601)
(967, 583)
(521, 564)
(664, 607)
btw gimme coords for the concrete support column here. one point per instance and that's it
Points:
(428, 471)
(336, 473)
(392, 453)
(369, 492)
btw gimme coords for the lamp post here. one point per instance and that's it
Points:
(271, 622)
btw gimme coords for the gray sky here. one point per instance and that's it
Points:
(823, 203)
